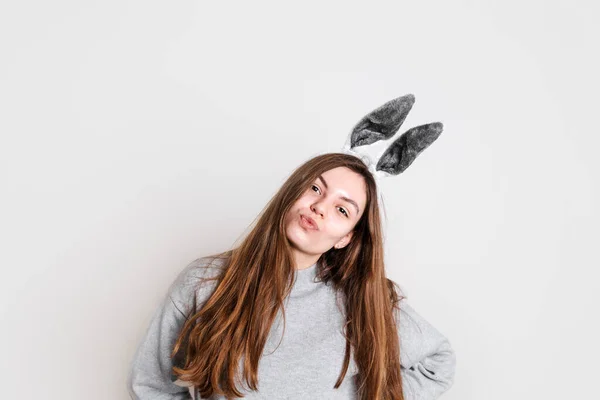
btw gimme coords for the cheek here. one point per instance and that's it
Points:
(304, 200)
(336, 229)
(289, 218)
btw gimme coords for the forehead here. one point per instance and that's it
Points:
(343, 181)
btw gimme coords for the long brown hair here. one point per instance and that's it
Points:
(236, 319)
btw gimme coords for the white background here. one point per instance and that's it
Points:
(137, 136)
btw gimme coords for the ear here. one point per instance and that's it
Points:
(344, 241)
(383, 122)
(403, 151)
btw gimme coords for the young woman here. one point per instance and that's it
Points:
(302, 309)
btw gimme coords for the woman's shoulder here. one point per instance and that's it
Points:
(196, 281)
(203, 267)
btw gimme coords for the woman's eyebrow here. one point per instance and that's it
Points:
(349, 200)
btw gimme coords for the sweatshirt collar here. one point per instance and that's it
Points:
(305, 279)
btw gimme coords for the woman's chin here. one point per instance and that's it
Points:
(298, 237)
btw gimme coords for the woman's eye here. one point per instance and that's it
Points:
(340, 208)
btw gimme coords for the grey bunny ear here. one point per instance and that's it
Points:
(404, 150)
(383, 122)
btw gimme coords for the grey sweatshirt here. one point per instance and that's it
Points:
(303, 364)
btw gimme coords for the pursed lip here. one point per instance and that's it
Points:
(311, 221)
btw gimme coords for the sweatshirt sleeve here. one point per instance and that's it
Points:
(427, 360)
(150, 376)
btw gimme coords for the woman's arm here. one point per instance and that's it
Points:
(150, 375)
(427, 359)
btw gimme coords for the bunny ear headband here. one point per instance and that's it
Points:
(381, 124)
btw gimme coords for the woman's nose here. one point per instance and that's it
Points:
(318, 208)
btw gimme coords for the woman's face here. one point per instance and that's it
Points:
(334, 202)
